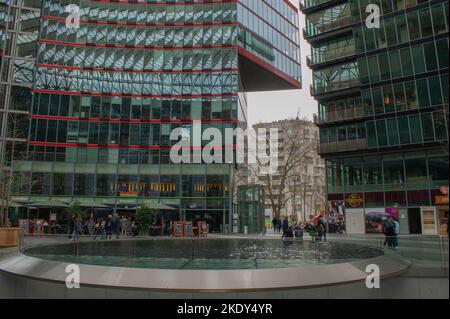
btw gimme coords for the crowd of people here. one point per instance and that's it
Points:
(315, 228)
(103, 228)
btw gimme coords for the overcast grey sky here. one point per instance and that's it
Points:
(278, 105)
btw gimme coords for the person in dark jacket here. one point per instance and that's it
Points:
(71, 226)
(285, 226)
(116, 225)
(321, 230)
(289, 233)
(109, 227)
(274, 224)
(389, 232)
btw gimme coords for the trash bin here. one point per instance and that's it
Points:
(245, 230)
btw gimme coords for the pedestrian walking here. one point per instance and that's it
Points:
(311, 231)
(396, 233)
(274, 224)
(321, 229)
(285, 226)
(109, 227)
(71, 226)
(116, 225)
(77, 226)
(123, 226)
(389, 232)
(298, 231)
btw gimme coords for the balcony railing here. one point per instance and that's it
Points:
(333, 25)
(343, 146)
(333, 86)
(330, 55)
(337, 116)
(305, 4)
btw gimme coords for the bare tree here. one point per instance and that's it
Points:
(8, 180)
(290, 180)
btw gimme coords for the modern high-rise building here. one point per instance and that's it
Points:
(382, 92)
(103, 97)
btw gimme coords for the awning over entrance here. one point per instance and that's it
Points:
(158, 206)
(17, 205)
(49, 204)
(92, 205)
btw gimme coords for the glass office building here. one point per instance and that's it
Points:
(107, 95)
(383, 106)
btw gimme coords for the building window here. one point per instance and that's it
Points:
(394, 61)
(425, 22)
(392, 131)
(381, 133)
(440, 126)
(416, 132)
(413, 24)
(406, 60)
(427, 127)
(403, 128)
(371, 134)
(442, 52)
(435, 91)
(418, 58)
(430, 56)
(422, 93)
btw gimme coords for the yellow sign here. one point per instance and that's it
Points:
(354, 200)
(439, 200)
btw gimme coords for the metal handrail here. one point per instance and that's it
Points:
(330, 55)
(341, 22)
(337, 116)
(305, 4)
(334, 86)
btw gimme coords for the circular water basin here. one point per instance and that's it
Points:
(204, 253)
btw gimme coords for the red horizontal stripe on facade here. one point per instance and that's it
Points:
(113, 46)
(124, 24)
(79, 68)
(165, 3)
(74, 118)
(269, 67)
(151, 147)
(185, 3)
(132, 95)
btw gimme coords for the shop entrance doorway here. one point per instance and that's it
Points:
(414, 220)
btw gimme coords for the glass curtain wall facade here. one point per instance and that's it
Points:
(19, 23)
(107, 95)
(383, 100)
